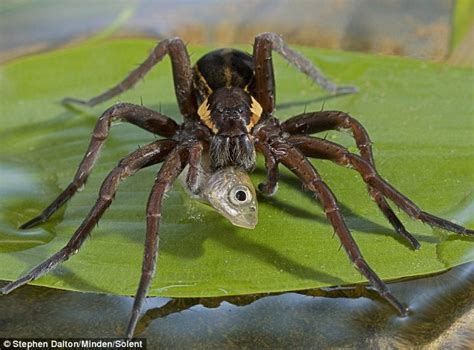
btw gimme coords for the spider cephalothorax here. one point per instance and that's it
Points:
(231, 113)
(228, 101)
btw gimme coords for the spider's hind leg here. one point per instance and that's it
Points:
(140, 116)
(145, 156)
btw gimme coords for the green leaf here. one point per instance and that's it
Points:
(419, 115)
(463, 19)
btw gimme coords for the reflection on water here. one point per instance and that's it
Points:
(16, 187)
(442, 317)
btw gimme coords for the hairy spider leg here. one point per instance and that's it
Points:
(142, 117)
(270, 187)
(148, 155)
(264, 89)
(182, 77)
(310, 123)
(294, 160)
(319, 148)
(195, 154)
(168, 173)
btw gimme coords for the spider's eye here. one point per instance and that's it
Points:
(240, 195)
(240, 110)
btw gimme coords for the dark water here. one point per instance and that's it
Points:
(352, 317)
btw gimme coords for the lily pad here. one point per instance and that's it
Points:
(419, 115)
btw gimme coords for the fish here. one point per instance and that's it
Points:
(229, 191)
(232, 194)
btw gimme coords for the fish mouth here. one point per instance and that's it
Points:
(248, 221)
(244, 224)
(248, 225)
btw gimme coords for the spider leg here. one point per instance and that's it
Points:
(194, 161)
(316, 147)
(145, 156)
(271, 186)
(166, 176)
(310, 123)
(145, 118)
(294, 160)
(182, 74)
(264, 78)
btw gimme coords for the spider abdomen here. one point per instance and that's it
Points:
(222, 68)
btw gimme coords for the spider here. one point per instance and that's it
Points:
(227, 100)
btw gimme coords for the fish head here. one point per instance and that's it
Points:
(231, 193)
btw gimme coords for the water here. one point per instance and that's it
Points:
(16, 188)
(350, 317)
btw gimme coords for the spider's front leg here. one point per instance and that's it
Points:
(270, 187)
(168, 173)
(182, 74)
(264, 90)
(319, 148)
(192, 177)
(140, 116)
(150, 154)
(310, 123)
(294, 160)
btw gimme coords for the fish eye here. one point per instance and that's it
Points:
(240, 195)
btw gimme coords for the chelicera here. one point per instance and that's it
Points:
(227, 100)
